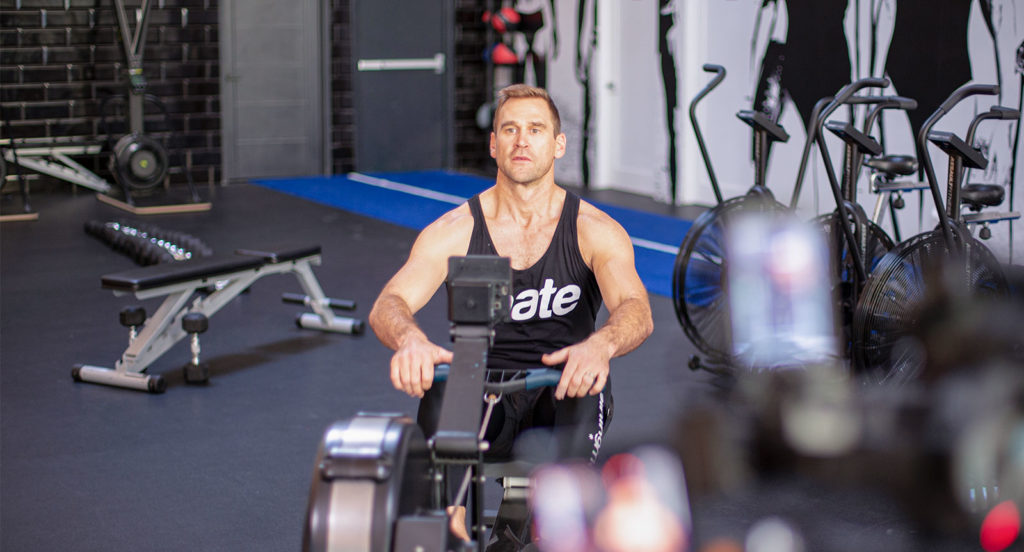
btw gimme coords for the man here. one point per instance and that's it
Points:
(566, 257)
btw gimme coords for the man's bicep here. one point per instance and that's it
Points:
(615, 268)
(427, 266)
(416, 282)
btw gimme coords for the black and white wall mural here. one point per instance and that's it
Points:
(624, 72)
(927, 53)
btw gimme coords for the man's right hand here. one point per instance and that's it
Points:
(412, 366)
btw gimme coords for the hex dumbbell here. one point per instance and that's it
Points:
(195, 323)
(132, 317)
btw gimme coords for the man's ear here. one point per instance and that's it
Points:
(559, 146)
(494, 147)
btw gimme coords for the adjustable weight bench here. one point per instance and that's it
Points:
(196, 289)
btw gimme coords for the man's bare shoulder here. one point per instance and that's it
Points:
(449, 232)
(456, 219)
(600, 233)
(592, 221)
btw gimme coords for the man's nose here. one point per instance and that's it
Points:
(521, 139)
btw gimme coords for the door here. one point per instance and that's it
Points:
(402, 84)
(273, 88)
(631, 100)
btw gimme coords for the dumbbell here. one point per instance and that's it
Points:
(195, 323)
(132, 317)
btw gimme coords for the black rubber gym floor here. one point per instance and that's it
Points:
(227, 466)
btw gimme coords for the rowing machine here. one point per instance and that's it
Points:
(378, 483)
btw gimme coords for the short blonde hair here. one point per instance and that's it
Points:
(517, 91)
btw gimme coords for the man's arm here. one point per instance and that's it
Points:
(608, 251)
(392, 316)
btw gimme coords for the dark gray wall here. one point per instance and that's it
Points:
(59, 59)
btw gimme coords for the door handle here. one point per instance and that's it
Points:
(435, 63)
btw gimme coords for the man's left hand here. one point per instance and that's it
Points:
(586, 368)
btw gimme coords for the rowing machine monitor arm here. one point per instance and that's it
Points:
(479, 288)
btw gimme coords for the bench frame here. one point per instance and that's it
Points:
(163, 329)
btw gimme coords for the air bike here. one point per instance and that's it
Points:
(379, 484)
(699, 275)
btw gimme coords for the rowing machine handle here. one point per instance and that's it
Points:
(535, 379)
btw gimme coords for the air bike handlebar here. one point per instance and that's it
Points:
(956, 97)
(534, 379)
(997, 112)
(825, 107)
(843, 96)
(719, 75)
(964, 92)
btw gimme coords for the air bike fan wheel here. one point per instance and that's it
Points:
(698, 280)
(887, 314)
(873, 244)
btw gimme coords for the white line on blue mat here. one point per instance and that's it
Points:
(457, 200)
(405, 188)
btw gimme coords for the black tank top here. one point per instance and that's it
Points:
(554, 302)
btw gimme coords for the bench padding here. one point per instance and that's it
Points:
(159, 275)
(282, 255)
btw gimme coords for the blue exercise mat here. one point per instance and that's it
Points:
(415, 199)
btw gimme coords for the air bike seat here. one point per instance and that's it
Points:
(195, 290)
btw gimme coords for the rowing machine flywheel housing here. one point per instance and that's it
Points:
(139, 162)
(370, 471)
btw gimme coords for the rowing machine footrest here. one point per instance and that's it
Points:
(426, 532)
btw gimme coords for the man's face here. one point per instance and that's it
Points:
(525, 145)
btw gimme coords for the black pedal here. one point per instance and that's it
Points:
(422, 533)
(511, 531)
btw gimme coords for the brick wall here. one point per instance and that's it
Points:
(62, 73)
(62, 77)
(471, 90)
(342, 119)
